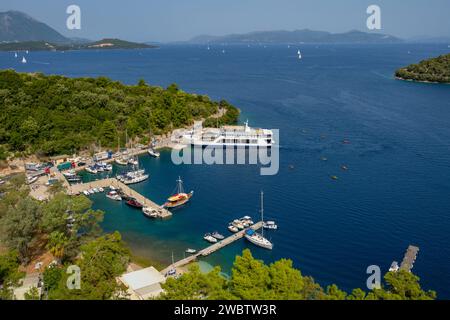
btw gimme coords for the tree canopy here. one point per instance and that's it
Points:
(432, 70)
(57, 115)
(251, 279)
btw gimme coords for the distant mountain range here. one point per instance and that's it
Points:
(18, 31)
(297, 36)
(16, 26)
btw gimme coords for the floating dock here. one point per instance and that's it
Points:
(105, 183)
(409, 259)
(213, 248)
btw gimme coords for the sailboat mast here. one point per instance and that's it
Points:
(262, 212)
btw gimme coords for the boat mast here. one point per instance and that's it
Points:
(180, 185)
(262, 212)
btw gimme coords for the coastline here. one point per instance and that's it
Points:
(420, 81)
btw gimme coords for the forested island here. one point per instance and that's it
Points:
(432, 70)
(51, 115)
(48, 46)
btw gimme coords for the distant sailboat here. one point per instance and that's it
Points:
(27, 51)
(15, 54)
(223, 51)
(299, 54)
(24, 60)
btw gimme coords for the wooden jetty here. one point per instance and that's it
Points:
(211, 249)
(104, 183)
(409, 259)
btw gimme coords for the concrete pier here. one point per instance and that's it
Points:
(105, 183)
(212, 248)
(409, 259)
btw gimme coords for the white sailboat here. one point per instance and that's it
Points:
(15, 54)
(256, 238)
(299, 54)
(24, 60)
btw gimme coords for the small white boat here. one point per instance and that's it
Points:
(91, 170)
(270, 225)
(101, 189)
(96, 190)
(113, 195)
(133, 162)
(191, 251)
(150, 212)
(217, 235)
(15, 54)
(24, 60)
(208, 237)
(394, 267)
(121, 161)
(233, 228)
(238, 224)
(112, 188)
(153, 153)
(86, 193)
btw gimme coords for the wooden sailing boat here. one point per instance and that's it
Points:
(180, 197)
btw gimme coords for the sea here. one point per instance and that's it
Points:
(339, 105)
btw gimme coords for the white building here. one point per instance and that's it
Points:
(143, 284)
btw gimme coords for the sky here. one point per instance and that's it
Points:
(175, 20)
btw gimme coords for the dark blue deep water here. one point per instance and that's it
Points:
(395, 193)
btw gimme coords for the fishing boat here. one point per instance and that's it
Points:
(180, 197)
(233, 228)
(150, 212)
(153, 153)
(208, 237)
(134, 203)
(271, 225)
(191, 251)
(256, 238)
(217, 235)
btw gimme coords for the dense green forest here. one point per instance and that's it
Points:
(28, 228)
(432, 70)
(51, 115)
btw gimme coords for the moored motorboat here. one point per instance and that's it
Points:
(121, 161)
(271, 225)
(237, 223)
(113, 195)
(150, 212)
(91, 169)
(217, 235)
(134, 203)
(208, 237)
(153, 153)
(191, 251)
(232, 228)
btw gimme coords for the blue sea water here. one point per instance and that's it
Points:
(395, 193)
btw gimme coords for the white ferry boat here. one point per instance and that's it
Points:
(237, 136)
